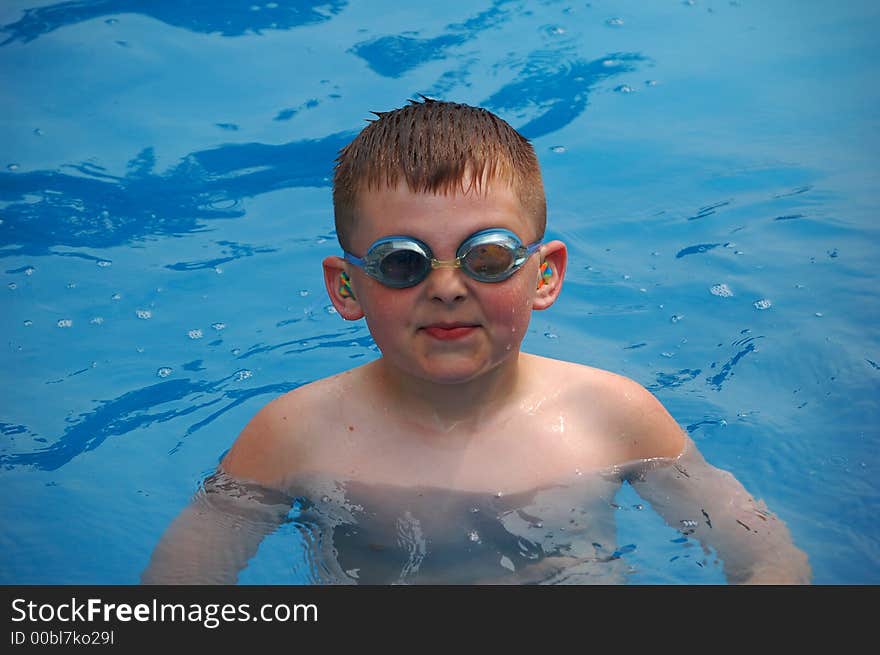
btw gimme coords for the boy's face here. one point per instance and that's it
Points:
(411, 325)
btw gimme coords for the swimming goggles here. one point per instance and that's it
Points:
(491, 255)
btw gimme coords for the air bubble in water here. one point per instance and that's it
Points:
(676, 318)
(236, 351)
(12, 285)
(65, 323)
(28, 323)
(551, 335)
(330, 309)
(164, 372)
(218, 326)
(242, 374)
(303, 293)
(104, 263)
(195, 334)
(142, 313)
(614, 22)
(71, 285)
(721, 290)
(13, 167)
(29, 270)
(764, 303)
(624, 88)
(558, 149)
(819, 314)
(474, 536)
(667, 354)
(116, 296)
(98, 320)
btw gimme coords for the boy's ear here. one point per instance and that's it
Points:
(549, 280)
(339, 286)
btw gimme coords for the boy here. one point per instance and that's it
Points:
(454, 457)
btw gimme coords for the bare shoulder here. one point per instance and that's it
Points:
(275, 444)
(620, 408)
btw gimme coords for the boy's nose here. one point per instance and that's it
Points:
(447, 285)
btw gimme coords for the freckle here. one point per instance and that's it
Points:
(351, 428)
(283, 418)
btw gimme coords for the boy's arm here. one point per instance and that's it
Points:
(213, 538)
(711, 505)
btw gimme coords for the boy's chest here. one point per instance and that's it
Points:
(515, 456)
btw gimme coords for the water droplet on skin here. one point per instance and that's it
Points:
(164, 372)
(65, 323)
(142, 313)
(195, 334)
(764, 303)
(498, 494)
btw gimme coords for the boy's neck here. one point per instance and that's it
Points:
(450, 408)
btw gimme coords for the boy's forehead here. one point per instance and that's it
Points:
(395, 207)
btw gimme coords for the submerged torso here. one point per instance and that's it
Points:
(358, 533)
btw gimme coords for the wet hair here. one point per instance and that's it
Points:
(436, 147)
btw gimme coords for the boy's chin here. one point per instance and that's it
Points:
(454, 371)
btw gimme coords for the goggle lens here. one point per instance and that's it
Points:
(404, 268)
(488, 260)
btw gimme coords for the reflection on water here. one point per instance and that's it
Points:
(226, 17)
(91, 208)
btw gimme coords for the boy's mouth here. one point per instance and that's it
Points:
(449, 331)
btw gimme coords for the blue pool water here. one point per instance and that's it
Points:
(165, 205)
